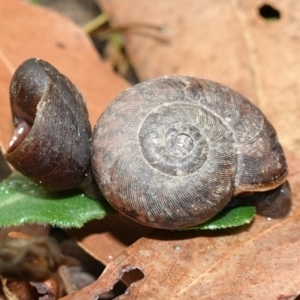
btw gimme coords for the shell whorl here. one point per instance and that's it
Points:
(55, 151)
(171, 152)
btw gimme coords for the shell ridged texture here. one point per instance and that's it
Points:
(171, 152)
(55, 153)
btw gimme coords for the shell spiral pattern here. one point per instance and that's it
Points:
(172, 152)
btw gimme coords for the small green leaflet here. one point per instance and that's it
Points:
(227, 218)
(22, 201)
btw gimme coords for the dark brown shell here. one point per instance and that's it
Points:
(52, 139)
(274, 204)
(172, 152)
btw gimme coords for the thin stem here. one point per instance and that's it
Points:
(95, 23)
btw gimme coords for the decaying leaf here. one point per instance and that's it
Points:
(230, 42)
(15, 290)
(58, 40)
(259, 260)
(29, 259)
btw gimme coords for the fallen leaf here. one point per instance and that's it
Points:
(59, 41)
(50, 289)
(228, 42)
(231, 43)
(34, 230)
(14, 290)
(62, 43)
(259, 260)
(105, 239)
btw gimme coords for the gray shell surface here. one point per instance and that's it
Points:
(172, 152)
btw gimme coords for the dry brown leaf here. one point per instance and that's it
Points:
(226, 41)
(105, 239)
(51, 289)
(245, 52)
(16, 290)
(33, 31)
(259, 261)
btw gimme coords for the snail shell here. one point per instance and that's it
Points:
(168, 153)
(172, 152)
(52, 137)
(272, 204)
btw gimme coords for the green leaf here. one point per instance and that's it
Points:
(227, 218)
(22, 201)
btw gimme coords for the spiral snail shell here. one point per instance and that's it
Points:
(168, 153)
(173, 151)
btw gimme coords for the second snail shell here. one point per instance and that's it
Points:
(172, 152)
